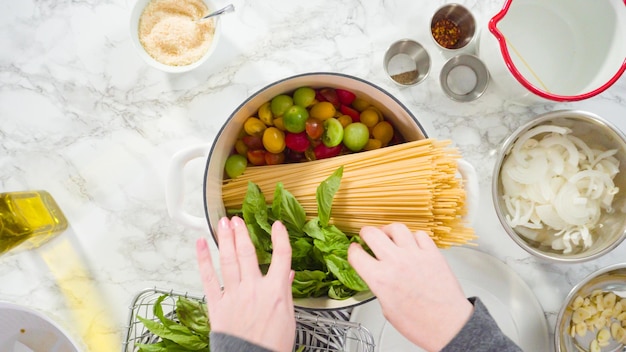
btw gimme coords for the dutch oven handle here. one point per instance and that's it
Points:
(174, 187)
(470, 184)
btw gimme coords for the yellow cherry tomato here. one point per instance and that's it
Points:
(322, 110)
(369, 117)
(373, 144)
(241, 147)
(360, 104)
(383, 131)
(253, 126)
(278, 123)
(274, 140)
(345, 120)
(265, 114)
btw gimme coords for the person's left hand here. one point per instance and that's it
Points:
(251, 306)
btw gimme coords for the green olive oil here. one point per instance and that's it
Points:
(31, 216)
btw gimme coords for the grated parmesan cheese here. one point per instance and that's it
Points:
(169, 33)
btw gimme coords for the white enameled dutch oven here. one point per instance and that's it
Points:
(393, 110)
(555, 50)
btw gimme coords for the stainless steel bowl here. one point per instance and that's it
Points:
(595, 131)
(406, 62)
(609, 279)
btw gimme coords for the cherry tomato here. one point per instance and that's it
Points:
(355, 136)
(373, 144)
(333, 133)
(345, 120)
(383, 131)
(294, 119)
(323, 152)
(241, 147)
(265, 114)
(360, 104)
(256, 157)
(330, 95)
(293, 156)
(297, 141)
(322, 110)
(274, 158)
(280, 104)
(314, 128)
(252, 142)
(370, 117)
(274, 140)
(254, 126)
(304, 96)
(346, 97)
(346, 110)
(235, 165)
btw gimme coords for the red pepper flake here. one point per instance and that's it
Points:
(446, 33)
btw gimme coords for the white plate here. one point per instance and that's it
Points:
(22, 327)
(507, 297)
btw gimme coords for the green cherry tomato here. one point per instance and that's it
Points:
(294, 119)
(304, 96)
(333, 132)
(355, 136)
(280, 104)
(235, 165)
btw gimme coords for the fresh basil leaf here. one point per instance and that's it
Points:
(255, 208)
(286, 208)
(344, 272)
(176, 333)
(193, 314)
(313, 229)
(325, 194)
(334, 241)
(337, 290)
(254, 211)
(308, 283)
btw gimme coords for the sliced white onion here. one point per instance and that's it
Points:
(560, 182)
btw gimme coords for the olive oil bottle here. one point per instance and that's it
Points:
(30, 216)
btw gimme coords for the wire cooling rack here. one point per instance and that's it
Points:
(316, 331)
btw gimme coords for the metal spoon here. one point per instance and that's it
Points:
(225, 9)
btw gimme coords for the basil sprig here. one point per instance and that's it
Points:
(319, 249)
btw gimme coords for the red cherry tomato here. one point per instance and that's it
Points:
(253, 142)
(330, 95)
(297, 141)
(274, 158)
(323, 152)
(346, 97)
(256, 157)
(314, 128)
(354, 114)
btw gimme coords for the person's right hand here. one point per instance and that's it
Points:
(418, 293)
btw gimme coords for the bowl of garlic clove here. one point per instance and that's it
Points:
(593, 317)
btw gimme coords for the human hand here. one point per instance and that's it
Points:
(251, 306)
(418, 293)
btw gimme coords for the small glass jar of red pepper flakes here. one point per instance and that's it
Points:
(453, 27)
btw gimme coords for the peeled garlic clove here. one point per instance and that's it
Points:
(609, 300)
(617, 331)
(580, 315)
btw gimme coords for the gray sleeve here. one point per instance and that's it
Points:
(228, 343)
(481, 333)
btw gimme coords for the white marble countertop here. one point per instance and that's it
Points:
(82, 116)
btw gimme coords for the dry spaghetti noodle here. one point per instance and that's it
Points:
(415, 183)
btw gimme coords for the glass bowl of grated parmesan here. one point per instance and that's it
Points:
(168, 35)
(559, 186)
